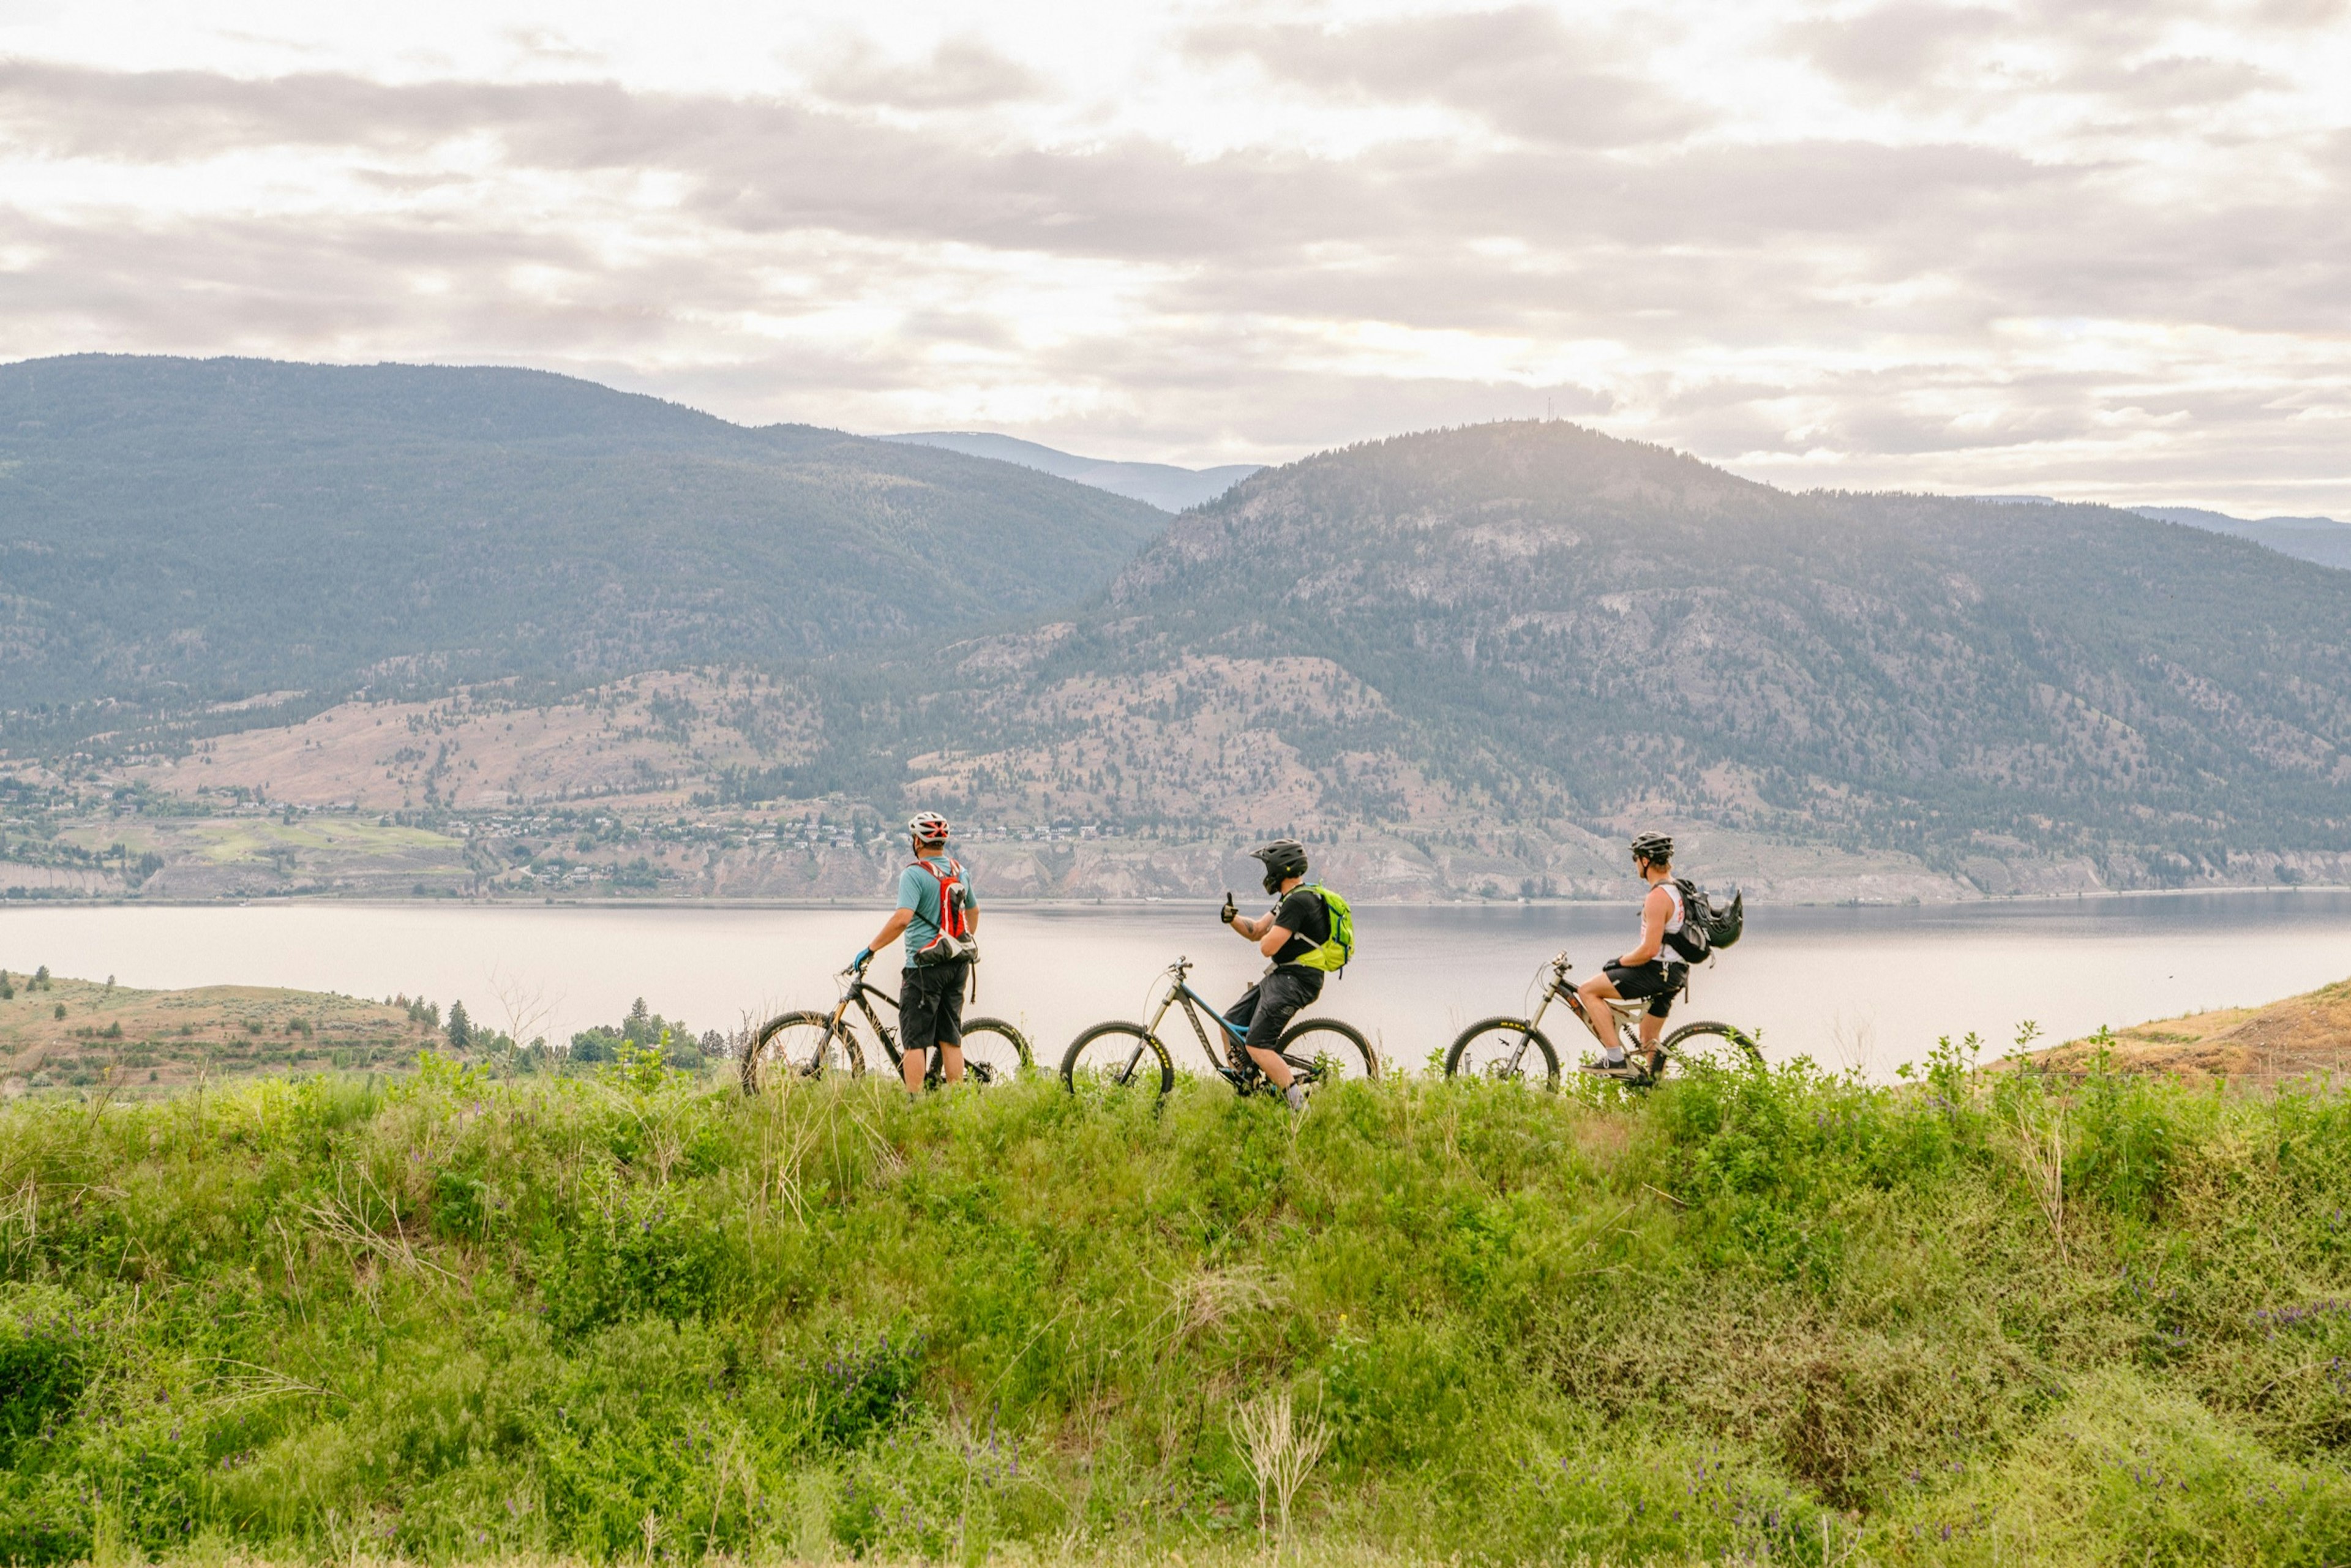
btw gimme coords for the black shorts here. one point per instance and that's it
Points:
(1266, 1008)
(930, 1006)
(1658, 980)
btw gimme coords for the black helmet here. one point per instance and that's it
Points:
(1284, 858)
(1658, 849)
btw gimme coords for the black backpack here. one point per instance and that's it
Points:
(1706, 925)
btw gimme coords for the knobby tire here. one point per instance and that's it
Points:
(1351, 1054)
(800, 1043)
(991, 1064)
(1126, 1049)
(1718, 1046)
(1502, 1039)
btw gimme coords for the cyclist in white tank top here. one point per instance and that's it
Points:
(1650, 970)
(1674, 920)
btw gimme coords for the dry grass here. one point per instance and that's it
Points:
(2303, 1037)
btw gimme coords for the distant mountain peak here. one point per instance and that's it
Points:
(2322, 539)
(1161, 484)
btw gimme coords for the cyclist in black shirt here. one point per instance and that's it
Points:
(1297, 926)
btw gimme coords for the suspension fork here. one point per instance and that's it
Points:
(1526, 1036)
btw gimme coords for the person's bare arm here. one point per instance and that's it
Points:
(1254, 927)
(1659, 905)
(892, 929)
(1275, 936)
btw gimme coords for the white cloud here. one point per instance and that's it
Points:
(2043, 245)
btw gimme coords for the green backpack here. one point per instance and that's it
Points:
(1333, 955)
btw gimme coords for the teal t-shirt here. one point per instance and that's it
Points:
(918, 890)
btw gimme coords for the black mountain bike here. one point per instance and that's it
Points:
(1517, 1049)
(1131, 1055)
(811, 1044)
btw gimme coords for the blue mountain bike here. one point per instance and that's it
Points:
(1133, 1056)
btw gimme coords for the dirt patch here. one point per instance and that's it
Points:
(650, 738)
(2302, 1037)
(156, 1041)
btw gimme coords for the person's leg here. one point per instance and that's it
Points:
(948, 1031)
(1653, 1021)
(1596, 994)
(1636, 983)
(1284, 992)
(917, 1026)
(1243, 1014)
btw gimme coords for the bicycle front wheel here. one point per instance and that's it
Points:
(1121, 1056)
(994, 1051)
(1505, 1051)
(1709, 1047)
(1331, 1051)
(800, 1045)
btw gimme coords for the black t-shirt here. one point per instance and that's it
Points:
(1304, 914)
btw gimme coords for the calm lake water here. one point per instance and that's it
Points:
(1872, 988)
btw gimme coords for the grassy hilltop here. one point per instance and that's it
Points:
(1780, 1316)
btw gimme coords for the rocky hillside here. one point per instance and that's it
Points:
(1529, 624)
(1464, 663)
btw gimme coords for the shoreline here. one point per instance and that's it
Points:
(1017, 901)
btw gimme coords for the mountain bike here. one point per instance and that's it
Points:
(1511, 1049)
(811, 1044)
(1127, 1055)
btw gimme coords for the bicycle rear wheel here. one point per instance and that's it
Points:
(1710, 1048)
(994, 1051)
(1331, 1051)
(1120, 1056)
(1505, 1051)
(800, 1045)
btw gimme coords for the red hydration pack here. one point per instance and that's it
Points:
(954, 940)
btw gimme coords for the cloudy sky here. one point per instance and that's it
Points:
(2073, 248)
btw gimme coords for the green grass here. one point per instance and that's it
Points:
(1780, 1317)
(238, 839)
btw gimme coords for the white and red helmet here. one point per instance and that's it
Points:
(928, 828)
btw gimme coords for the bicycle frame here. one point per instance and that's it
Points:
(865, 995)
(1193, 1004)
(1623, 1015)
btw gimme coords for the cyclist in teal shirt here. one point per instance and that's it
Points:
(937, 912)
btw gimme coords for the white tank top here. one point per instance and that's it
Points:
(1666, 954)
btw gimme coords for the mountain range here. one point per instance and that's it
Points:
(1530, 622)
(218, 528)
(1494, 648)
(1161, 484)
(2322, 539)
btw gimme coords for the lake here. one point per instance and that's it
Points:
(1870, 988)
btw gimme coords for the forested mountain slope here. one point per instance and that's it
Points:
(232, 526)
(1530, 623)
